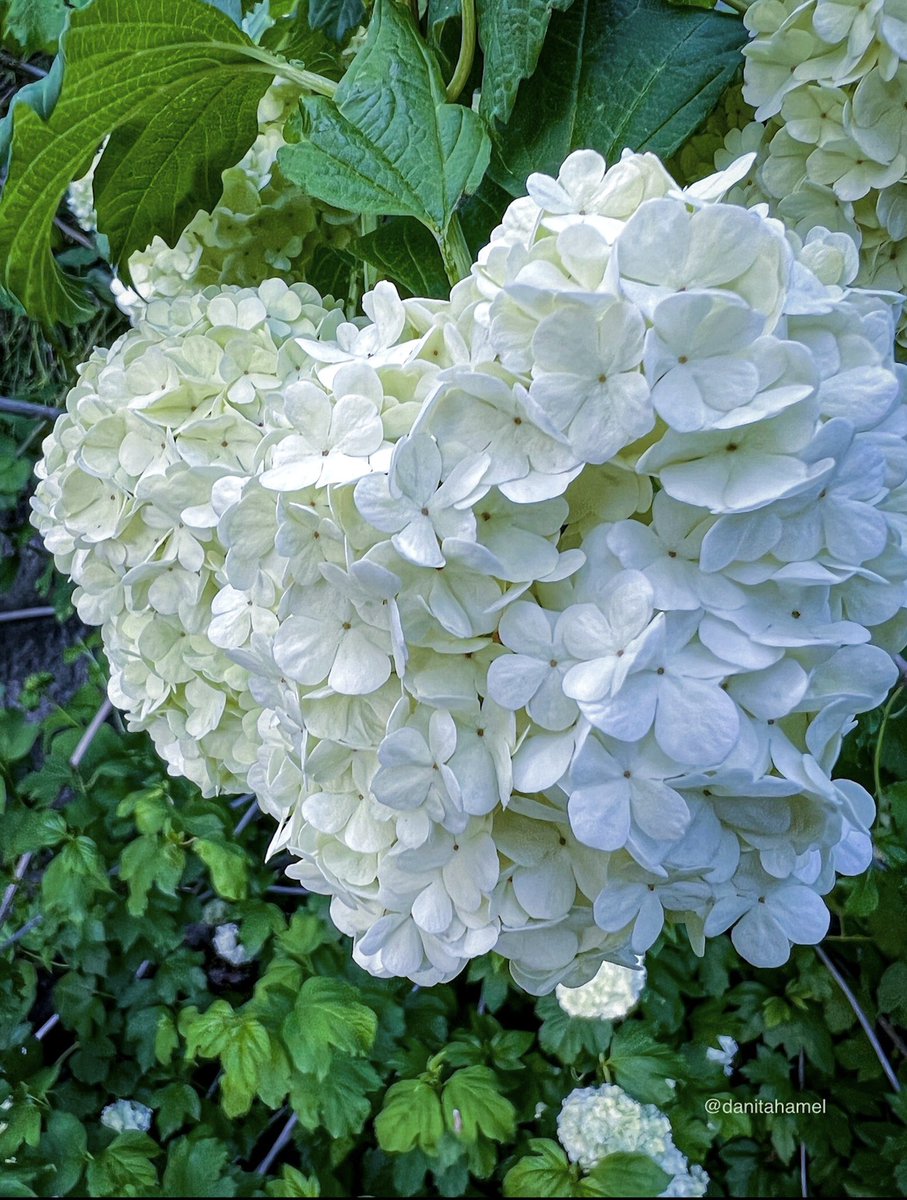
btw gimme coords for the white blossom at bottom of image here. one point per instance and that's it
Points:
(594, 1122)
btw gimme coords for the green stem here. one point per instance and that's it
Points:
(318, 84)
(455, 252)
(877, 756)
(467, 50)
(739, 6)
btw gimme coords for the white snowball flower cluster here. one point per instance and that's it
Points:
(597, 1121)
(542, 611)
(828, 82)
(159, 431)
(262, 226)
(611, 994)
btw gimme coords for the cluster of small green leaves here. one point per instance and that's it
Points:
(175, 84)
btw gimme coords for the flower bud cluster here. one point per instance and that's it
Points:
(262, 227)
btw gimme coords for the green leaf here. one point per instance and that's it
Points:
(893, 991)
(240, 1042)
(511, 34)
(568, 1037)
(228, 866)
(642, 1065)
(176, 1104)
(340, 1101)
(327, 1017)
(63, 1147)
(74, 876)
(293, 1183)
(543, 1172)
(336, 17)
(17, 736)
(36, 25)
(125, 1167)
(196, 1168)
(175, 78)
(166, 1038)
(615, 74)
(389, 144)
(473, 1093)
(623, 1174)
(147, 861)
(405, 252)
(293, 37)
(411, 1116)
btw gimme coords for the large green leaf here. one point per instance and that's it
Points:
(410, 1117)
(614, 74)
(404, 251)
(336, 17)
(473, 1104)
(624, 1175)
(389, 144)
(176, 78)
(511, 33)
(327, 1017)
(545, 1171)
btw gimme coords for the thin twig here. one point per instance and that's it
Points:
(90, 734)
(248, 817)
(75, 235)
(19, 65)
(282, 1138)
(239, 801)
(26, 408)
(880, 738)
(47, 1027)
(10, 894)
(893, 1035)
(862, 1018)
(28, 614)
(21, 933)
(280, 890)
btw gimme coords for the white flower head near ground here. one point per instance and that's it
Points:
(597, 1121)
(536, 617)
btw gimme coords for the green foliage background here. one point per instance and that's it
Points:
(296, 1074)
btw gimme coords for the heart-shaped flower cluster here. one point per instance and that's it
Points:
(536, 616)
